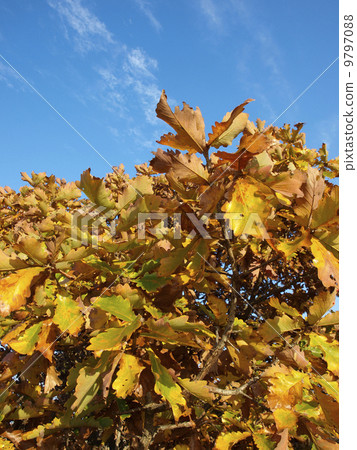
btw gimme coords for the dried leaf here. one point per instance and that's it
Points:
(188, 124)
(232, 124)
(185, 167)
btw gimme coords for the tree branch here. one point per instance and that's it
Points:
(216, 352)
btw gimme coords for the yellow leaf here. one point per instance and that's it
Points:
(330, 350)
(15, 288)
(326, 263)
(165, 386)
(248, 211)
(274, 328)
(199, 388)
(127, 375)
(26, 342)
(225, 441)
(218, 307)
(321, 304)
(68, 315)
(285, 418)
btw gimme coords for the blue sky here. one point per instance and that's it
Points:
(102, 65)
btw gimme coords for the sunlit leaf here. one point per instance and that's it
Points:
(225, 441)
(232, 124)
(127, 375)
(15, 289)
(188, 124)
(26, 342)
(68, 315)
(165, 386)
(116, 305)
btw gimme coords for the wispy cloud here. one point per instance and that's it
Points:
(10, 78)
(139, 64)
(89, 32)
(135, 75)
(145, 7)
(210, 11)
(233, 12)
(127, 80)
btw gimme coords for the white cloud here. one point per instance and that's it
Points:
(90, 32)
(129, 71)
(145, 8)
(209, 9)
(140, 64)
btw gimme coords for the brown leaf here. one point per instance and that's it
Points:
(293, 356)
(52, 380)
(255, 143)
(284, 440)
(46, 338)
(313, 190)
(287, 184)
(210, 197)
(185, 167)
(329, 406)
(188, 124)
(232, 124)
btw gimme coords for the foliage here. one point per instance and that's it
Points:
(191, 336)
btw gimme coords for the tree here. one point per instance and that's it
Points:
(186, 307)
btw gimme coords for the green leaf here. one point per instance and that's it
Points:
(117, 305)
(95, 190)
(165, 386)
(113, 337)
(88, 384)
(330, 350)
(151, 282)
(263, 442)
(170, 263)
(68, 315)
(181, 324)
(26, 342)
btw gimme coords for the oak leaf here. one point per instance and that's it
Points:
(185, 167)
(313, 190)
(188, 124)
(226, 440)
(68, 315)
(127, 375)
(165, 386)
(232, 124)
(16, 288)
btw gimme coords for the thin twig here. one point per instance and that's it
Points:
(216, 352)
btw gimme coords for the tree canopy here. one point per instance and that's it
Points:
(188, 306)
